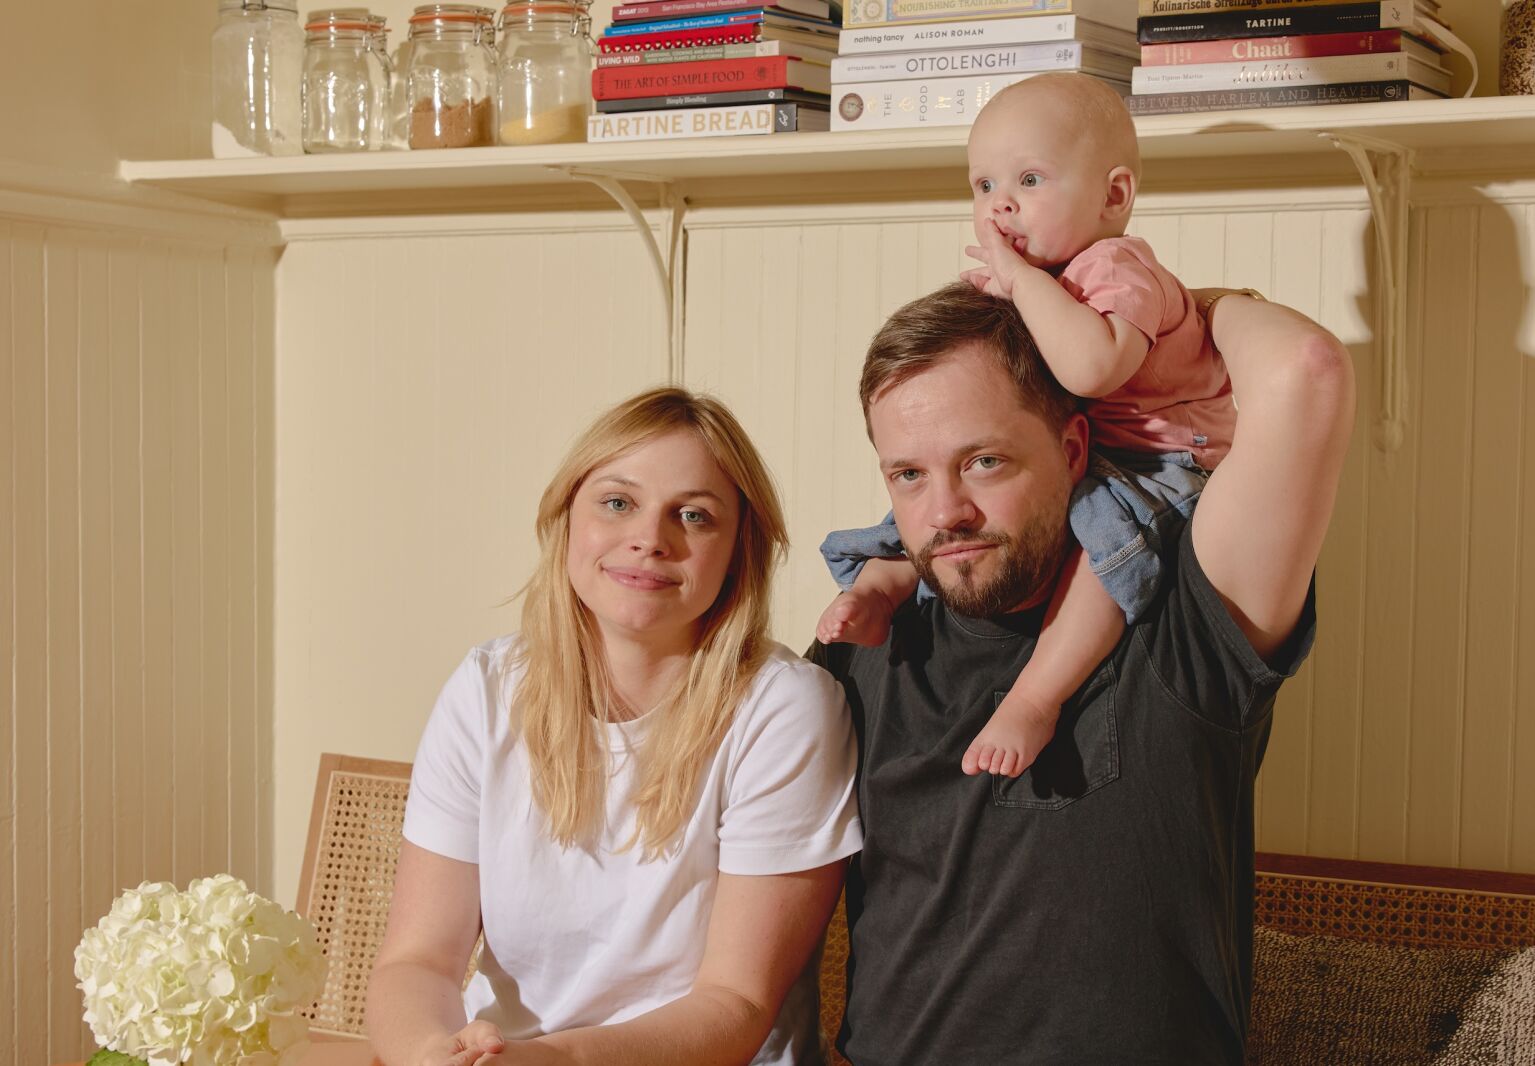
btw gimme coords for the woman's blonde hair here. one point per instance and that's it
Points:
(565, 696)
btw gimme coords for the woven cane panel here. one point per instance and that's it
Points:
(1394, 914)
(353, 880)
(833, 982)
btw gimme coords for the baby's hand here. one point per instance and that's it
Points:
(855, 617)
(1003, 263)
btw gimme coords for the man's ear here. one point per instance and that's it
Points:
(1074, 443)
(1121, 194)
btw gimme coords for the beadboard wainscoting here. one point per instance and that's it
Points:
(135, 577)
(263, 489)
(411, 448)
(1409, 736)
(429, 379)
(259, 491)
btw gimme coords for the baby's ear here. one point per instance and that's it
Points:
(1121, 194)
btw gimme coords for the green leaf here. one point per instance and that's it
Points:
(114, 1058)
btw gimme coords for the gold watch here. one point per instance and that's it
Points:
(1205, 304)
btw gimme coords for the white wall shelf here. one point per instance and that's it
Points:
(1385, 142)
(1479, 125)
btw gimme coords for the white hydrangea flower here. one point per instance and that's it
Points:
(213, 976)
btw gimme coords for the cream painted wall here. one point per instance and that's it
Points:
(427, 382)
(1478, 23)
(136, 469)
(1407, 736)
(135, 548)
(429, 379)
(1410, 735)
(109, 81)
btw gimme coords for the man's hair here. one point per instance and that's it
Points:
(933, 327)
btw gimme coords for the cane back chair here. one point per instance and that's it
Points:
(348, 878)
(359, 808)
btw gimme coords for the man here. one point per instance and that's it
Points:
(1097, 909)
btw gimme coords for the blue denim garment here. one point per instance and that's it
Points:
(1125, 512)
(846, 550)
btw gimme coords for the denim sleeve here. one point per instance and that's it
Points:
(1127, 513)
(846, 550)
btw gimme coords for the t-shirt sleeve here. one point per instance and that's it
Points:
(442, 813)
(1110, 277)
(1202, 657)
(790, 803)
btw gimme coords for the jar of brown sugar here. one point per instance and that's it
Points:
(451, 80)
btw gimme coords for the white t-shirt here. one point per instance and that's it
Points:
(577, 937)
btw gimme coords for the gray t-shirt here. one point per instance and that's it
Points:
(1097, 909)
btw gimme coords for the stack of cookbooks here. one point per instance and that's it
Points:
(709, 68)
(919, 63)
(1220, 55)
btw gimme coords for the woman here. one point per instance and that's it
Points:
(645, 803)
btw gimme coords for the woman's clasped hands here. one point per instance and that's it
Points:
(480, 1043)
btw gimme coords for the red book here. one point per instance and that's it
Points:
(662, 9)
(709, 76)
(743, 33)
(1245, 49)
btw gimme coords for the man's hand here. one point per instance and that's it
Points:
(1004, 266)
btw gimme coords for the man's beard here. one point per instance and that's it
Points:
(1026, 565)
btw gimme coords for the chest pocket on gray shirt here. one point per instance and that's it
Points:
(1081, 758)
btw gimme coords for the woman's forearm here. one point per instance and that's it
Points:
(411, 1010)
(708, 1025)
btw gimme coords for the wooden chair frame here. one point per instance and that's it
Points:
(348, 878)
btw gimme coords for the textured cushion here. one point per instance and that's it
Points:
(1351, 1003)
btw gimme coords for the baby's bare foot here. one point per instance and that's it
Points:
(855, 617)
(1018, 731)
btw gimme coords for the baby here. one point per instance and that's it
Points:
(1054, 167)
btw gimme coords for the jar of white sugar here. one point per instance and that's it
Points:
(545, 72)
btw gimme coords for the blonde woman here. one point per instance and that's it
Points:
(644, 803)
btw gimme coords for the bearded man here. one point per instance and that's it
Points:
(1099, 908)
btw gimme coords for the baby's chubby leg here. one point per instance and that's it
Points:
(1082, 626)
(862, 614)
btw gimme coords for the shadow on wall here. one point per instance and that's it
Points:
(1440, 533)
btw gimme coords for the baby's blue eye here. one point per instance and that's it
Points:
(984, 185)
(1031, 180)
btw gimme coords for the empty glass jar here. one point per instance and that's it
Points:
(398, 133)
(258, 60)
(346, 81)
(451, 90)
(382, 114)
(545, 72)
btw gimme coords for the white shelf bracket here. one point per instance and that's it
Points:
(666, 266)
(676, 258)
(1386, 169)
